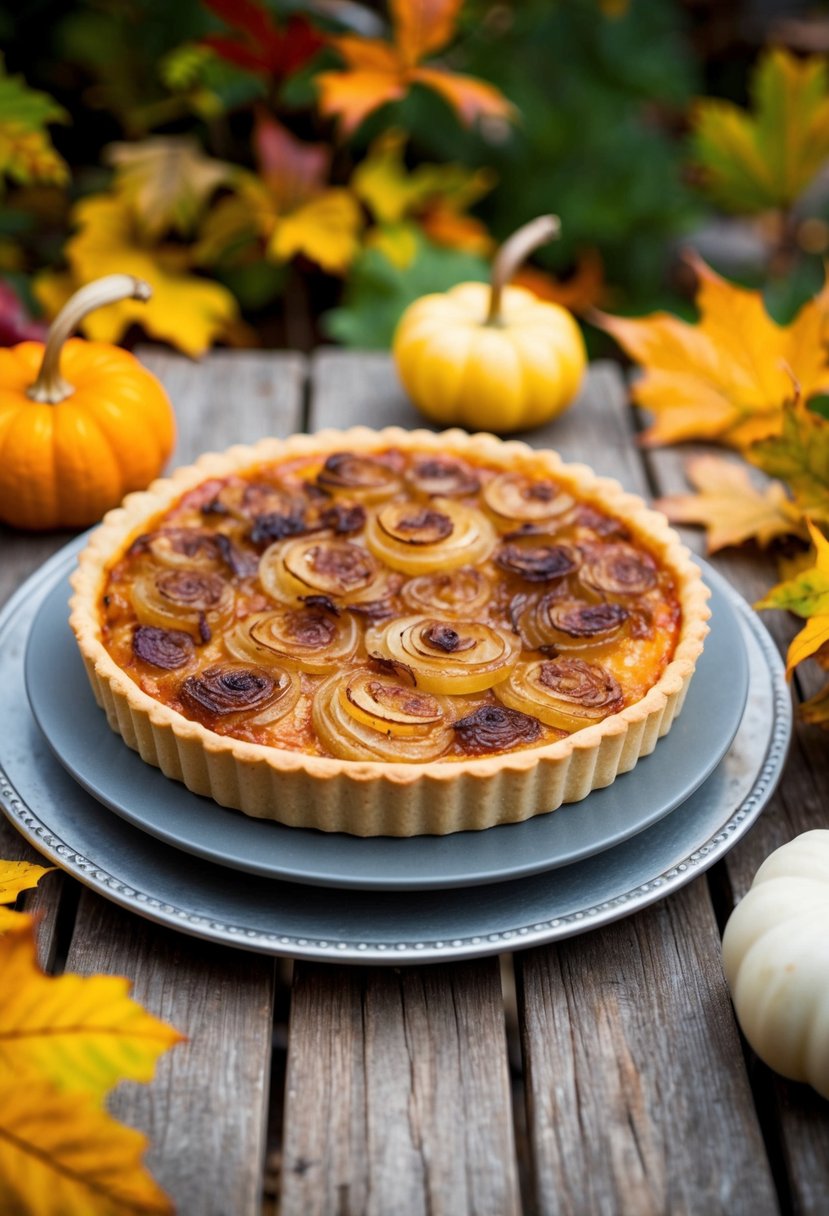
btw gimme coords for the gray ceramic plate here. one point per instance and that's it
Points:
(140, 873)
(65, 710)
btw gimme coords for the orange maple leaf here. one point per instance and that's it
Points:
(728, 377)
(730, 507)
(378, 71)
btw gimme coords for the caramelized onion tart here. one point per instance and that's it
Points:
(388, 633)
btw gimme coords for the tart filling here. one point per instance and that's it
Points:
(388, 632)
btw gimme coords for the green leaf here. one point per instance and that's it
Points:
(26, 107)
(799, 455)
(378, 292)
(762, 160)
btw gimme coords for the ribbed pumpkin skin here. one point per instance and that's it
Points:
(65, 465)
(500, 378)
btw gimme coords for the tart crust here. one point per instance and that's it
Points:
(370, 798)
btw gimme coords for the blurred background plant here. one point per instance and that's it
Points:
(290, 173)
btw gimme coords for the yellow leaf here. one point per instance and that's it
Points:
(397, 242)
(728, 377)
(377, 72)
(81, 1033)
(800, 456)
(813, 635)
(187, 311)
(807, 592)
(62, 1155)
(17, 876)
(729, 506)
(754, 162)
(324, 229)
(28, 156)
(167, 180)
(9, 919)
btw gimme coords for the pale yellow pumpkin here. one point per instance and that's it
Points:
(491, 357)
(73, 444)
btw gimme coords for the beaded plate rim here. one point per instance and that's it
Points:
(539, 932)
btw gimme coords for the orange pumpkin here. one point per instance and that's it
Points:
(72, 445)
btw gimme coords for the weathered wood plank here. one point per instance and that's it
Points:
(638, 1101)
(799, 1120)
(398, 1094)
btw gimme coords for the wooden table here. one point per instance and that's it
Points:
(603, 1075)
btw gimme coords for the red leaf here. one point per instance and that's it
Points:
(261, 46)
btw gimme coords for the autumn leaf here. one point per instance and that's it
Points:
(257, 44)
(379, 71)
(26, 151)
(727, 377)
(729, 506)
(755, 162)
(581, 292)
(17, 876)
(185, 310)
(81, 1033)
(288, 206)
(62, 1155)
(167, 181)
(807, 593)
(800, 456)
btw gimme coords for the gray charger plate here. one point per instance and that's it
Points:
(165, 885)
(75, 728)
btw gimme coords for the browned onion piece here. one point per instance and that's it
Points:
(570, 624)
(495, 728)
(241, 562)
(442, 477)
(167, 648)
(363, 476)
(236, 692)
(246, 500)
(618, 569)
(563, 692)
(182, 548)
(441, 636)
(462, 592)
(278, 525)
(340, 569)
(537, 563)
(514, 497)
(414, 525)
(191, 589)
(593, 520)
(455, 657)
(308, 638)
(366, 715)
(344, 518)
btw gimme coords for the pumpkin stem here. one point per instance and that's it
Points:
(512, 253)
(50, 385)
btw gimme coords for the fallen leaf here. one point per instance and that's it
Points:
(581, 292)
(82, 1034)
(168, 181)
(807, 594)
(185, 310)
(728, 377)
(17, 876)
(729, 506)
(62, 1155)
(257, 44)
(378, 71)
(755, 162)
(813, 636)
(800, 456)
(8, 918)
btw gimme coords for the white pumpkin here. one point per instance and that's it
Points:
(776, 958)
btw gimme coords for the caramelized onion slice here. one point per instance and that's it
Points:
(618, 569)
(369, 716)
(166, 648)
(185, 549)
(182, 599)
(237, 692)
(321, 566)
(495, 728)
(415, 539)
(566, 693)
(308, 638)
(442, 477)
(464, 592)
(570, 624)
(363, 477)
(447, 656)
(537, 563)
(514, 497)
